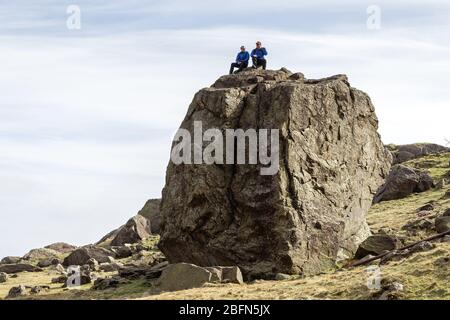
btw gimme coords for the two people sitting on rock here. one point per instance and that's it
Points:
(257, 58)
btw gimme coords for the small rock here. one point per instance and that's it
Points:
(48, 262)
(122, 252)
(18, 291)
(110, 267)
(446, 239)
(376, 244)
(426, 207)
(106, 283)
(39, 289)
(81, 256)
(442, 224)
(136, 229)
(182, 276)
(446, 213)
(3, 277)
(60, 279)
(60, 269)
(93, 264)
(420, 224)
(421, 247)
(282, 276)
(423, 213)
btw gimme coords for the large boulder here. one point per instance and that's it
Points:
(151, 212)
(18, 267)
(402, 153)
(403, 181)
(81, 256)
(136, 229)
(309, 213)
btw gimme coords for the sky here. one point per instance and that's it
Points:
(87, 115)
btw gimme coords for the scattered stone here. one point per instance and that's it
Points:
(442, 224)
(93, 264)
(376, 244)
(263, 223)
(107, 283)
(10, 260)
(110, 267)
(122, 252)
(446, 213)
(420, 224)
(3, 277)
(18, 291)
(60, 279)
(48, 262)
(398, 255)
(61, 247)
(136, 229)
(19, 267)
(424, 213)
(282, 276)
(60, 269)
(391, 290)
(403, 181)
(81, 256)
(182, 276)
(39, 289)
(426, 207)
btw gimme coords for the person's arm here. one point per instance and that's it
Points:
(253, 52)
(237, 58)
(247, 56)
(264, 51)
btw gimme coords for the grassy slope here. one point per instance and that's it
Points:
(424, 275)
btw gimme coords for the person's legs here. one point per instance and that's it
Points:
(242, 66)
(263, 63)
(255, 62)
(233, 65)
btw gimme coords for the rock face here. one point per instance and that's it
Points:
(300, 220)
(61, 247)
(136, 229)
(403, 181)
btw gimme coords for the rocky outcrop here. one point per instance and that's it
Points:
(152, 213)
(136, 229)
(403, 181)
(402, 153)
(10, 260)
(61, 247)
(306, 216)
(82, 256)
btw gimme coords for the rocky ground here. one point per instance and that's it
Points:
(126, 264)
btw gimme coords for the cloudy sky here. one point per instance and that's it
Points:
(87, 115)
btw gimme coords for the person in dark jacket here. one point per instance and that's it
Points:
(258, 56)
(241, 61)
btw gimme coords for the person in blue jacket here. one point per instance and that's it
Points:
(258, 56)
(241, 61)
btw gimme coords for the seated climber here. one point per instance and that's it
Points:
(241, 61)
(258, 56)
